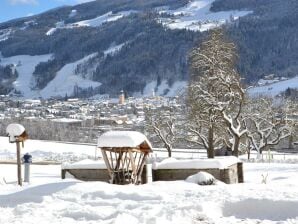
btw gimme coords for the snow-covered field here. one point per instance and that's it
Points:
(196, 15)
(269, 195)
(275, 88)
(47, 150)
(48, 199)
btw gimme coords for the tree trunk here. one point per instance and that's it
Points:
(169, 149)
(291, 142)
(236, 146)
(248, 148)
(210, 150)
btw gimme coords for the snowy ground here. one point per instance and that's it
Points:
(269, 194)
(47, 199)
(47, 150)
(275, 88)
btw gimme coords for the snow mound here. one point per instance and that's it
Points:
(261, 209)
(201, 178)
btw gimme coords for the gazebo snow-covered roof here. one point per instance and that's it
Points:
(124, 153)
(124, 139)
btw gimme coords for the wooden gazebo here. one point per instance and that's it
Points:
(124, 153)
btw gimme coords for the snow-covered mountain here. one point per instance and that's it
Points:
(104, 46)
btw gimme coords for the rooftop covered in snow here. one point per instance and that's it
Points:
(124, 139)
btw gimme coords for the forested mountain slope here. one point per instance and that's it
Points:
(104, 46)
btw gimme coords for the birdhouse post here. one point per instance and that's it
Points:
(18, 135)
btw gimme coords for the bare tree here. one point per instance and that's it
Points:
(216, 89)
(265, 129)
(162, 124)
(290, 118)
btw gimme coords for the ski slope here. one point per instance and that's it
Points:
(25, 66)
(95, 22)
(4, 34)
(108, 17)
(196, 16)
(66, 79)
(114, 49)
(164, 89)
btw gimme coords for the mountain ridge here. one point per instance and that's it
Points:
(155, 39)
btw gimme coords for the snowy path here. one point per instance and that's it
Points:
(50, 200)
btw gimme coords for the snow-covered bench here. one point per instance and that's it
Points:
(227, 169)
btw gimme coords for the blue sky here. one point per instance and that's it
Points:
(11, 9)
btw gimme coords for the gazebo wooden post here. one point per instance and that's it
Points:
(141, 167)
(105, 158)
(133, 165)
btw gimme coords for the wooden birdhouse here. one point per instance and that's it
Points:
(17, 134)
(124, 153)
